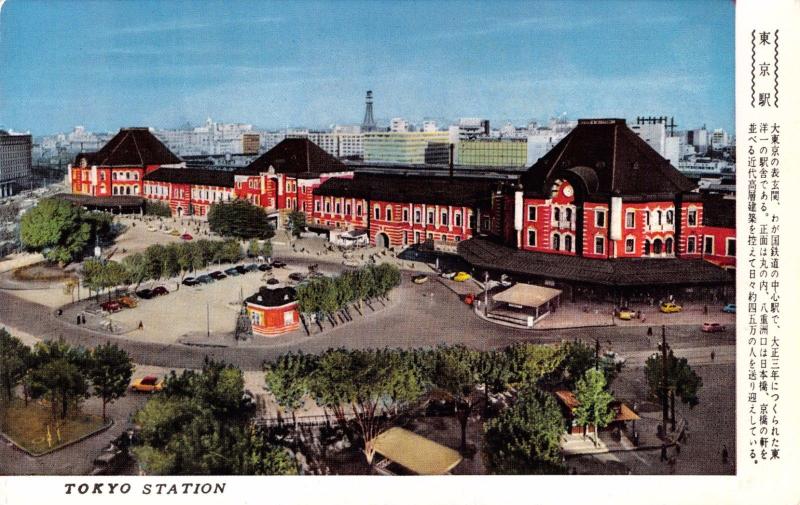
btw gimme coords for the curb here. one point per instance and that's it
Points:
(59, 447)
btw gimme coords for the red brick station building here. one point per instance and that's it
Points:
(602, 213)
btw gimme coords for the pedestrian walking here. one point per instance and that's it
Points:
(83, 318)
(724, 454)
(649, 331)
(705, 310)
(141, 325)
(78, 319)
(713, 354)
(677, 448)
(663, 452)
(59, 312)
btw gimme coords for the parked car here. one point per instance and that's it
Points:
(279, 264)
(506, 281)
(232, 272)
(112, 306)
(187, 236)
(670, 307)
(712, 327)
(252, 267)
(205, 279)
(625, 314)
(160, 291)
(462, 276)
(241, 269)
(449, 274)
(217, 275)
(127, 302)
(147, 384)
(296, 276)
(175, 233)
(420, 279)
(110, 461)
(145, 294)
(730, 308)
(273, 281)
(190, 281)
(264, 267)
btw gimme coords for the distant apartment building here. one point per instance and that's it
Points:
(15, 162)
(720, 139)
(399, 124)
(699, 139)
(211, 138)
(251, 143)
(469, 128)
(654, 132)
(400, 147)
(429, 125)
(493, 152)
(340, 143)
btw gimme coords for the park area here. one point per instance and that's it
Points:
(33, 428)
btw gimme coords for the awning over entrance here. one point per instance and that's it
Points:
(527, 295)
(416, 453)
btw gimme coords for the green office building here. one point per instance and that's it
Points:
(493, 152)
(400, 147)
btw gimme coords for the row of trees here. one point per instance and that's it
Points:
(365, 385)
(62, 230)
(259, 248)
(64, 375)
(159, 262)
(240, 219)
(199, 424)
(326, 295)
(155, 208)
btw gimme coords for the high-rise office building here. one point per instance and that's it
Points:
(15, 162)
(400, 147)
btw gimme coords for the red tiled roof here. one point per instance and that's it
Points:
(131, 147)
(298, 157)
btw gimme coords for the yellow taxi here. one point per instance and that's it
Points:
(147, 384)
(462, 276)
(625, 314)
(670, 307)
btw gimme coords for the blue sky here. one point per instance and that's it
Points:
(107, 64)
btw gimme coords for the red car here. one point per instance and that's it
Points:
(160, 291)
(186, 236)
(713, 327)
(112, 306)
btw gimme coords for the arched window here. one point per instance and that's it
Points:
(568, 216)
(670, 216)
(114, 190)
(658, 217)
(557, 214)
(556, 242)
(668, 245)
(657, 246)
(647, 248)
(568, 241)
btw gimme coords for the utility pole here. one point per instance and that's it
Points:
(664, 388)
(596, 353)
(486, 294)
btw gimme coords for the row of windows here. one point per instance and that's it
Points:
(658, 217)
(443, 221)
(708, 245)
(128, 176)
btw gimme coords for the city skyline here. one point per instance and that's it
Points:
(164, 65)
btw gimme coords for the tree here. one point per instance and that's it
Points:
(530, 362)
(368, 382)
(594, 402)
(296, 222)
(525, 439)
(456, 374)
(681, 380)
(199, 424)
(110, 373)
(69, 287)
(137, 268)
(578, 358)
(14, 362)
(154, 208)
(253, 248)
(266, 249)
(493, 372)
(231, 251)
(240, 219)
(184, 257)
(154, 256)
(55, 227)
(60, 375)
(288, 380)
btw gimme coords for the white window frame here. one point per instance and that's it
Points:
(632, 224)
(531, 232)
(597, 214)
(692, 211)
(728, 241)
(632, 241)
(535, 212)
(594, 246)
